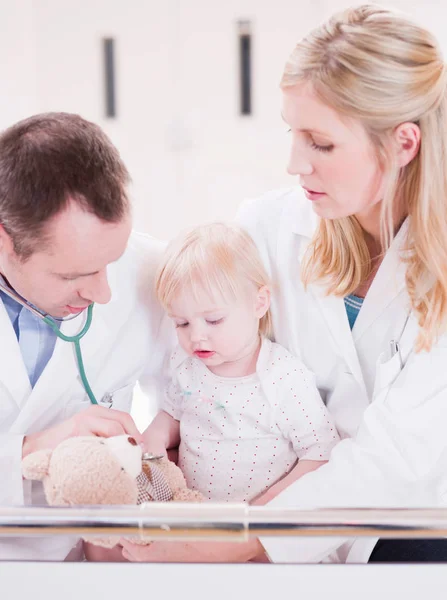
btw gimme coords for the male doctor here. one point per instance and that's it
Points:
(65, 243)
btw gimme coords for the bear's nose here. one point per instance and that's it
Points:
(132, 441)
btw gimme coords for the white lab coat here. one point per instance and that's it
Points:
(396, 415)
(128, 341)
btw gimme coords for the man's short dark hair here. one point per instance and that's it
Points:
(48, 160)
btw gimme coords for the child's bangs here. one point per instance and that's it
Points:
(201, 270)
(211, 271)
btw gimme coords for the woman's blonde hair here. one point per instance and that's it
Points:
(218, 258)
(377, 66)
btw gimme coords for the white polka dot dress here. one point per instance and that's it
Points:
(240, 435)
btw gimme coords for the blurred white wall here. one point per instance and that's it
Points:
(191, 155)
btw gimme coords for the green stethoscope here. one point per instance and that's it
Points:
(53, 323)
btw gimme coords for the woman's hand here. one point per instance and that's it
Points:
(193, 552)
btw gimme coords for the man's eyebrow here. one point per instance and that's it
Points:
(75, 275)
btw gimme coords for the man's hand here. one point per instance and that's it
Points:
(95, 420)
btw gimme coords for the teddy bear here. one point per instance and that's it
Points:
(93, 470)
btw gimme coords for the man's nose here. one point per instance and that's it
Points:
(97, 288)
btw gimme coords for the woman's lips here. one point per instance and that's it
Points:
(313, 195)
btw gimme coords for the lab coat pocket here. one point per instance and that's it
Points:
(387, 371)
(120, 398)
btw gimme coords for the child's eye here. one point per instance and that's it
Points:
(216, 322)
(68, 278)
(181, 324)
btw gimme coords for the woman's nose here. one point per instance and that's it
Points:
(299, 162)
(299, 167)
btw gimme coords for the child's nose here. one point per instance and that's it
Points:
(197, 334)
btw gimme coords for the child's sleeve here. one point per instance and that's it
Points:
(302, 416)
(172, 401)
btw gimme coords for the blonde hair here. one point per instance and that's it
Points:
(218, 258)
(374, 65)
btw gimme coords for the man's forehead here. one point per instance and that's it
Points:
(80, 256)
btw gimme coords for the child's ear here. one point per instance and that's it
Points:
(262, 301)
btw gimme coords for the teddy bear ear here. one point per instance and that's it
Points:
(35, 465)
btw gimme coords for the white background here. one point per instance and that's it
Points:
(191, 155)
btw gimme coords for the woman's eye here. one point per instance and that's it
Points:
(181, 325)
(321, 148)
(216, 322)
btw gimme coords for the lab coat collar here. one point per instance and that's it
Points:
(334, 313)
(388, 283)
(60, 372)
(62, 368)
(14, 380)
(299, 214)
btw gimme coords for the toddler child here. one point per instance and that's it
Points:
(245, 413)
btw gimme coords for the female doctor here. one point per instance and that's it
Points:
(358, 253)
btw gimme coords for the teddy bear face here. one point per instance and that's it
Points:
(89, 470)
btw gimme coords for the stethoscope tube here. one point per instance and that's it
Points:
(73, 339)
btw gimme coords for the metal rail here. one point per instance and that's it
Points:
(231, 522)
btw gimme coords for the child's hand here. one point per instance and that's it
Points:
(162, 434)
(173, 455)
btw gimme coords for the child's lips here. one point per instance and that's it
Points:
(204, 353)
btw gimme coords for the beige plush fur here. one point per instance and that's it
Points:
(93, 470)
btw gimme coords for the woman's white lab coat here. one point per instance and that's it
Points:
(394, 407)
(128, 341)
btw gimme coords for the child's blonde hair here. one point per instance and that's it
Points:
(218, 258)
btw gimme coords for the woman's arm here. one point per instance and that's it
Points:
(194, 552)
(396, 460)
(98, 554)
(303, 467)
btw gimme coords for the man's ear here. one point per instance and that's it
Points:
(2, 237)
(407, 137)
(5, 240)
(262, 301)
